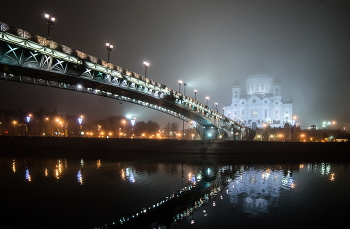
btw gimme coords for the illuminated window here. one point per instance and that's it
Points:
(254, 114)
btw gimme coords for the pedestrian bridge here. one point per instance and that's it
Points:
(29, 58)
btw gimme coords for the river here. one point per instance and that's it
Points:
(191, 191)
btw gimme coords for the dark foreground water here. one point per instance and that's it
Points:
(192, 191)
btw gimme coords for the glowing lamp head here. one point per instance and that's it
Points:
(180, 82)
(109, 46)
(47, 16)
(146, 64)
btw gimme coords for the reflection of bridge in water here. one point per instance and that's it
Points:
(254, 190)
(29, 58)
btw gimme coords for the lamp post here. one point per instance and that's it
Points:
(223, 111)
(80, 121)
(207, 98)
(124, 125)
(146, 65)
(49, 21)
(132, 122)
(180, 82)
(28, 120)
(293, 127)
(14, 127)
(109, 47)
(216, 106)
(195, 94)
(185, 85)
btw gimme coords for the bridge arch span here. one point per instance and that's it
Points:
(29, 58)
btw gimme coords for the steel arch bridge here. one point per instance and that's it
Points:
(29, 58)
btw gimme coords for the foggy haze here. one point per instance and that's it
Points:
(207, 44)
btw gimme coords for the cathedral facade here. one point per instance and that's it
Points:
(260, 105)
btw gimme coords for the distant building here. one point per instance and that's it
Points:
(260, 105)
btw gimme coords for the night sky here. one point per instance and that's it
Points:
(207, 44)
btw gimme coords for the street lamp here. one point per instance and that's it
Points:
(180, 82)
(49, 21)
(124, 125)
(185, 85)
(207, 98)
(195, 94)
(146, 65)
(28, 120)
(216, 106)
(223, 111)
(109, 47)
(293, 127)
(80, 121)
(14, 127)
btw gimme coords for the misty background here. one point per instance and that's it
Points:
(207, 44)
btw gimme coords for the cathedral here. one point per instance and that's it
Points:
(260, 105)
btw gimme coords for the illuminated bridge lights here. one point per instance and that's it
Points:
(63, 63)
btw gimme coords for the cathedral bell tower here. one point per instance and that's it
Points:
(236, 91)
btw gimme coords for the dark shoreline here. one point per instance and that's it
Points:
(168, 146)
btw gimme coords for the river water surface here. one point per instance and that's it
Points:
(95, 192)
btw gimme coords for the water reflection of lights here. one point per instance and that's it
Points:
(98, 163)
(80, 177)
(46, 172)
(322, 168)
(208, 171)
(128, 173)
(14, 166)
(82, 162)
(28, 177)
(58, 170)
(143, 211)
(261, 188)
(199, 177)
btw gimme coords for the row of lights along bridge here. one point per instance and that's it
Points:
(50, 21)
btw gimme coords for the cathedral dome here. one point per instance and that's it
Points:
(236, 84)
(259, 70)
(276, 82)
(259, 80)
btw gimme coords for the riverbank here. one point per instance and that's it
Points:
(174, 146)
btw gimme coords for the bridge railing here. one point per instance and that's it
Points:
(78, 55)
